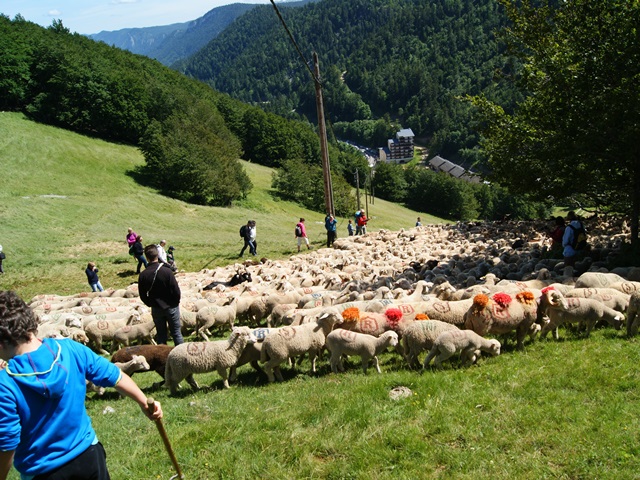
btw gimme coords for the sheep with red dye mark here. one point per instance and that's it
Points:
(466, 342)
(501, 314)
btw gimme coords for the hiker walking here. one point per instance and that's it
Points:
(248, 234)
(301, 234)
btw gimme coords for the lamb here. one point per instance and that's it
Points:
(500, 315)
(129, 333)
(137, 364)
(573, 310)
(632, 314)
(467, 342)
(100, 330)
(294, 341)
(419, 336)
(344, 342)
(201, 357)
(609, 296)
(211, 316)
(156, 356)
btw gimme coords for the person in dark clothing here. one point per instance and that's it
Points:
(159, 290)
(331, 224)
(92, 277)
(556, 237)
(138, 253)
(249, 238)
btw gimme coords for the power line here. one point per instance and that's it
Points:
(304, 60)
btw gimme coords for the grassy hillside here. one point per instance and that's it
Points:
(558, 409)
(68, 199)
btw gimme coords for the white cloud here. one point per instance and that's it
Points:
(118, 2)
(54, 13)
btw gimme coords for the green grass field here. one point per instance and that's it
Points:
(68, 199)
(557, 410)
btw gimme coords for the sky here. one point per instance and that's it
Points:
(94, 16)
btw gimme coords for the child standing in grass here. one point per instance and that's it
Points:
(45, 431)
(92, 277)
(2, 257)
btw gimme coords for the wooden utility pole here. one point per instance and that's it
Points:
(358, 188)
(322, 132)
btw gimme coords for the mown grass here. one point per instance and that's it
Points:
(564, 409)
(68, 199)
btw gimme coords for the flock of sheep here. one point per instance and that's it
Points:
(441, 289)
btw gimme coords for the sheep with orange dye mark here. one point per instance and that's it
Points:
(501, 314)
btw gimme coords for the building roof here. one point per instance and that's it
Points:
(440, 164)
(405, 132)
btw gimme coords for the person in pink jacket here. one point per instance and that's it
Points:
(301, 234)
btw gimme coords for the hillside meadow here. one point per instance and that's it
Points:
(563, 409)
(68, 199)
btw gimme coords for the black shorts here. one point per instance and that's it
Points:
(89, 465)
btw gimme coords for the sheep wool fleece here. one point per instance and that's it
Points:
(42, 411)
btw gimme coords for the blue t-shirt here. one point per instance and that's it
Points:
(42, 412)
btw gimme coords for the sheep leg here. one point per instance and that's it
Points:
(278, 373)
(631, 323)
(269, 370)
(376, 364)
(469, 355)
(335, 361)
(223, 373)
(312, 358)
(446, 352)
(233, 374)
(191, 381)
(432, 353)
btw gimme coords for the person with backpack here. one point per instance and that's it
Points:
(301, 234)
(248, 234)
(574, 239)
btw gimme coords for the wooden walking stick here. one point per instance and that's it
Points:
(165, 440)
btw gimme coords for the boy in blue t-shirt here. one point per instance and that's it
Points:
(44, 426)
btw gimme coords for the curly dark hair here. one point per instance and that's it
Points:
(17, 320)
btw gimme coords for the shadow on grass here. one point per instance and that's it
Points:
(127, 273)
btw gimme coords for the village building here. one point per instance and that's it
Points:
(398, 149)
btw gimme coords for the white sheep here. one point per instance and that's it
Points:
(138, 363)
(289, 342)
(611, 297)
(632, 314)
(344, 342)
(467, 342)
(201, 357)
(214, 315)
(562, 310)
(501, 314)
(420, 335)
(100, 330)
(129, 333)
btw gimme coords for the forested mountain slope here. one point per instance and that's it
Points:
(171, 43)
(408, 59)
